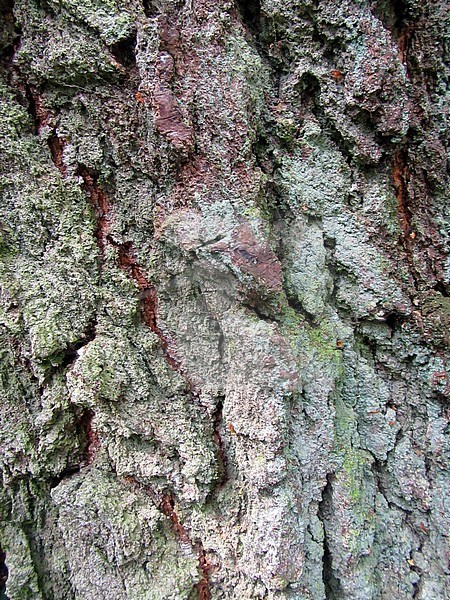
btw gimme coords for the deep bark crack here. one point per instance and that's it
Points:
(91, 437)
(127, 261)
(3, 574)
(217, 438)
(331, 582)
(99, 203)
(148, 295)
(401, 176)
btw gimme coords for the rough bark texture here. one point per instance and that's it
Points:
(224, 314)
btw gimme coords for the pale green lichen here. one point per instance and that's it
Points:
(111, 18)
(125, 540)
(318, 184)
(63, 54)
(232, 381)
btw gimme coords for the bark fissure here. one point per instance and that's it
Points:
(3, 574)
(400, 177)
(165, 503)
(251, 14)
(99, 202)
(222, 460)
(56, 146)
(124, 51)
(127, 261)
(63, 359)
(332, 586)
(167, 506)
(149, 299)
(90, 436)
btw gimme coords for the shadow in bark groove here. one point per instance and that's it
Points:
(217, 438)
(91, 439)
(251, 14)
(3, 575)
(333, 590)
(11, 31)
(150, 10)
(125, 51)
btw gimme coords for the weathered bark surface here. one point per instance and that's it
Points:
(224, 311)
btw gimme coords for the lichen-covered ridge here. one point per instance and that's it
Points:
(224, 299)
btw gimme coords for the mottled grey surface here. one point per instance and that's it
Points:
(224, 311)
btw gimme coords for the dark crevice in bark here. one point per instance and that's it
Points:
(124, 51)
(395, 320)
(333, 590)
(266, 39)
(378, 469)
(13, 32)
(56, 146)
(126, 256)
(32, 108)
(400, 179)
(65, 357)
(150, 8)
(3, 574)
(415, 177)
(309, 91)
(127, 260)
(300, 310)
(65, 474)
(442, 289)
(396, 16)
(148, 296)
(260, 310)
(40, 115)
(250, 11)
(418, 584)
(90, 437)
(99, 203)
(41, 118)
(7, 15)
(90, 443)
(404, 178)
(218, 441)
(6, 10)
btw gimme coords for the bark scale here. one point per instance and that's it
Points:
(224, 299)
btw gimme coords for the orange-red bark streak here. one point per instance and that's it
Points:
(93, 442)
(149, 299)
(167, 507)
(99, 202)
(399, 178)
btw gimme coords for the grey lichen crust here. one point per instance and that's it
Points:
(224, 312)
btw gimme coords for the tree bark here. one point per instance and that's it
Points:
(224, 299)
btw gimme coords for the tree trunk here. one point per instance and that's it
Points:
(224, 308)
